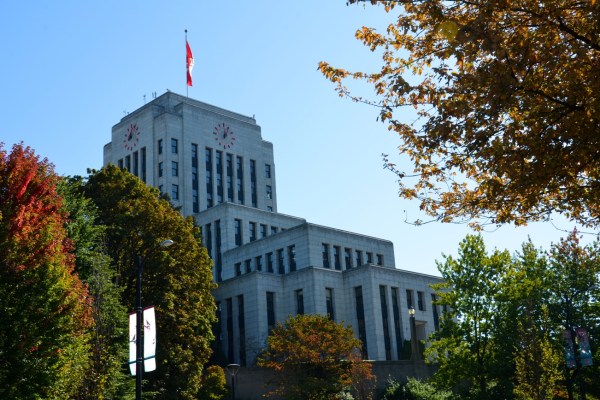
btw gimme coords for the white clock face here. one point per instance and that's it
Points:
(131, 137)
(224, 136)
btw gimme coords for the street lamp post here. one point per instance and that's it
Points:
(415, 354)
(233, 370)
(139, 328)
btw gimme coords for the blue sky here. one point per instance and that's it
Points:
(71, 69)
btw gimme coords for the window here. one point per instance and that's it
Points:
(436, 316)
(385, 322)
(336, 257)
(219, 173)
(292, 257)
(253, 183)
(273, 230)
(238, 231)
(128, 163)
(280, 264)
(209, 179)
(242, 329)
(143, 154)
(120, 163)
(238, 269)
(240, 179)
(218, 260)
(174, 168)
(258, 263)
(160, 146)
(263, 230)
(397, 325)
(229, 329)
(348, 258)
(229, 172)
(136, 161)
(326, 256)
(358, 258)
(175, 192)
(299, 302)
(329, 303)
(379, 259)
(369, 258)
(409, 298)
(248, 265)
(421, 301)
(270, 311)
(360, 316)
(270, 262)
(208, 239)
(252, 231)
(174, 146)
(269, 192)
(268, 171)
(195, 198)
(160, 169)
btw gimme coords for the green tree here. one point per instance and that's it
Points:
(44, 306)
(508, 99)
(313, 358)
(177, 281)
(214, 384)
(465, 349)
(106, 378)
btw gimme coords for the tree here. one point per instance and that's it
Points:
(312, 357)
(177, 281)
(508, 99)
(44, 305)
(105, 377)
(465, 349)
(214, 384)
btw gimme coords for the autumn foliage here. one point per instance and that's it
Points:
(315, 358)
(44, 306)
(507, 95)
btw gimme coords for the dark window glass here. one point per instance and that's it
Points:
(292, 257)
(299, 302)
(174, 146)
(360, 316)
(385, 323)
(270, 311)
(329, 303)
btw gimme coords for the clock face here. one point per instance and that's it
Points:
(224, 136)
(132, 137)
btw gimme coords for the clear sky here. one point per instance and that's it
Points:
(70, 70)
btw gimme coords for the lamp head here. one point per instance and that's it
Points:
(166, 243)
(411, 311)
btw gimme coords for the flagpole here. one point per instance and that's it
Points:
(186, 66)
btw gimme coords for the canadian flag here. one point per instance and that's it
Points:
(189, 63)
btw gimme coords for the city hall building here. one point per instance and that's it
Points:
(216, 167)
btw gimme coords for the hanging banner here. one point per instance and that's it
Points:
(149, 339)
(132, 342)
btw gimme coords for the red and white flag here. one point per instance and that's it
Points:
(189, 63)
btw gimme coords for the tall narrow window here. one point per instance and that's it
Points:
(280, 264)
(385, 322)
(218, 261)
(248, 265)
(242, 329)
(209, 177)
(174, 149)
(238, 268)
(160, 146)
(270, 311)
(195, 199)
(229, 329)
(253, 183)
(136, 160)
(329, 303)
(347, 258)
(369, 258)
(360, 317)
(174, 168)
(219, 176)
(208, 239)
(325, 252)
(336, 258)
(252, 231)
(238, 231)
(421, 301)
(269, 262)
(268, 171)
(299, 302)
(128, 163)
(269, 192)
(175, 192)
(436, 317)
(258, 263)
(240, 179)
(409, 298)
(160, 169)
(263, 230)
(397, 322)
(120, 163)
(379, 259)
(358, 258)
(143, 154)
(292, 257)
(229, 172)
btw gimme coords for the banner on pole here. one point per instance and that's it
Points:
(149, 319)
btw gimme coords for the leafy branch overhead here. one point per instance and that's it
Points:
(507, 95)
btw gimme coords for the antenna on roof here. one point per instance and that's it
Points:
(153, 95)
(144, 99)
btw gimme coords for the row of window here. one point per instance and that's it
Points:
(137, 165)
(273, 262)
(254, 230)
(348, 260)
